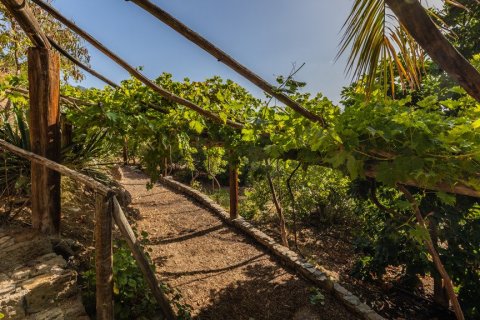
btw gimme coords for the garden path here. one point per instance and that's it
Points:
(219, 271)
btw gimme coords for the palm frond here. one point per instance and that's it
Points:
(377, 43)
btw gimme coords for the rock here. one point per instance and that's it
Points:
(34, 281)
(45, 289)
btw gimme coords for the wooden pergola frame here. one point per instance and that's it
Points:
(44, 99)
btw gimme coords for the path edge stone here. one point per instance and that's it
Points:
(319, 276)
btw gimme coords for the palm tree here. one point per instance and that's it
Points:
(377, 29)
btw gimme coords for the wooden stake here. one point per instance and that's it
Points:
(233, 191)
(141, 260)
(103, 257)
(66, 131)
(435, 257)
(44, 88)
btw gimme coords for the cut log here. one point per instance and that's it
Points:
(27, 21)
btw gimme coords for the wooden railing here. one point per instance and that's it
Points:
(107, 211)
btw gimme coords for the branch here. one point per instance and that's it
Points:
(433, 252)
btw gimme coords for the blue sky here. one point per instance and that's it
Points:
(265, 35)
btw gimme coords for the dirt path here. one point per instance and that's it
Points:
(220, 272)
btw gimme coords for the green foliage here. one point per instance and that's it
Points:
(464, 26)
(316, 297)
(132, 296)
(320, 193)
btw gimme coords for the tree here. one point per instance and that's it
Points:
(464, 26)
(14, 44)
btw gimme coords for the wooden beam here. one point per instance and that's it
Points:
(142, 262)
(98, 75)
(457, 188)
(81, 65)
(63, 98)
(66, 130)
(209, 47)
(44, 123)
(415, 19)
(134, 72)
(87, 181)
(103, 257)
(233, 172)
(22, 13)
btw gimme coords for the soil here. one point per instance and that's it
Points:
(333, 248)
(220, 272)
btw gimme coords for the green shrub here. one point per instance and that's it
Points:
(132, 296)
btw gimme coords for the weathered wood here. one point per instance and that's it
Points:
(209, 47)
(83, 66)
(415, 19)
(103, 257)
(457, 188)
(63, 98)
(89, 182)
(435, 257)
(27, 21)
(66, 131)
(278, 207)
(233, 172)
(44, 122)
(99, 76)
(134, 72)
(142, 262)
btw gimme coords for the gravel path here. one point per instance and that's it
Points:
(220, 272)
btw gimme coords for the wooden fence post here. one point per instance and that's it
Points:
(44, 89)
(103, 257)
(66, 132)
(233, 191)
(125, 151)
(142, 260)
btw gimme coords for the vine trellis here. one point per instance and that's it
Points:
(44, 91)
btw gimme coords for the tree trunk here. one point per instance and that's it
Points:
(125, 151)
(292, 196)
(44, 88)
(416, 20)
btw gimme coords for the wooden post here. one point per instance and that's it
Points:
(44, 89)
(125, 151)
(142, 260)
(233, 191)
(66, 132)
(103, 257)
